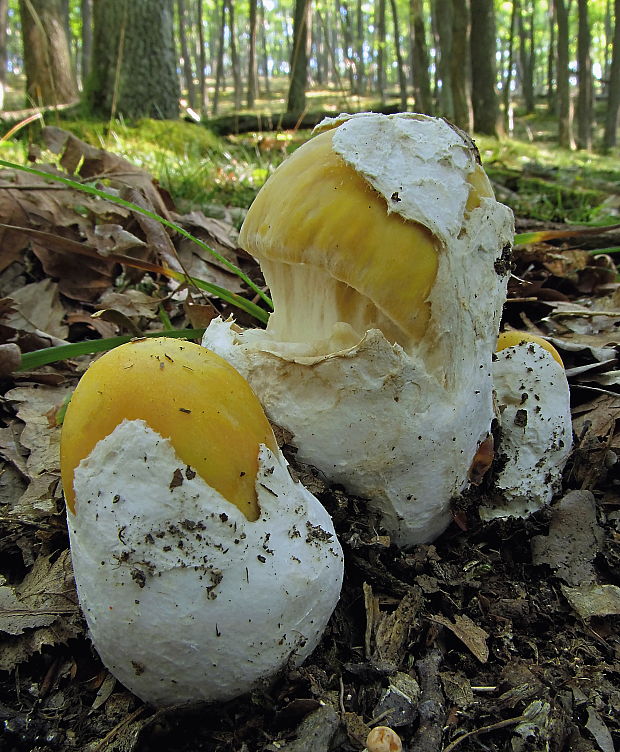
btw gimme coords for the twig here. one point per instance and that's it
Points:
(486, 730)
(431, 708)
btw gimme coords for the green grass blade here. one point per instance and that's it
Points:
(152, 215)
(48, 355)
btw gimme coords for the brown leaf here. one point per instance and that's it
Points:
(469, 633)
(10, 359)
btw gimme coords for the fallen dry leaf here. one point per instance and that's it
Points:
(469, 633)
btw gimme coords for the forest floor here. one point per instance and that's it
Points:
(500, 635)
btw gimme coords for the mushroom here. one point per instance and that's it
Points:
(387, 258)
(533, 409)
(201, 566)
(383, 739)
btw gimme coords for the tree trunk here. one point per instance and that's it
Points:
(86, 10)
(264, 50)
(565, 114)
(483, 71)
(402, 78)
(251, 99)
(552, 90)
(234, 57)
(442, 10)
(49, 73)
(460, 65)
(381, 34)
(4, 24)
(296, 103)
(202, 58)
(526, 59)
(188, 74)
(613, 96)
(347, 41)
(219, 67)
(360, 78)
(423, 100)
(584, 67)
(507, 83)
(134, 71)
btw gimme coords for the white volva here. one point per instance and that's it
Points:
(536, 431)
(187, 600)
(395, 423)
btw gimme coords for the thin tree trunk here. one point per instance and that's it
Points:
(584, 95)
(402, 77)
(296, 102)
(219, 66)
(202, 61)
(264, 51)
(423, 100)
(86, 10)
(442, 10)
(4, 25)
(552, 100)
(188, 74)
(613, 97)
(507, 83)
(347, 37)
(234, 57)
(565, 115)
(526, 58)
(381, 40)
(459, 65)
(483, 71)
(252, 55)
(360, 77)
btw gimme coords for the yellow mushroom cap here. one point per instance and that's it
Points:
(334, 249)
(513, 338)
(186, 394)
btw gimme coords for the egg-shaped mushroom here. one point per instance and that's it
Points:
(201, 565)
(387, 257)
(535, 425)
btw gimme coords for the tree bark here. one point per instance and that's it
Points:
(483, 71)
(202, 58)
(296, 103)
(264, 50)
(380, 44)
(526, 58)
(402, 78)
(507, 83)
(565, 110)
(360, 77)
(86, 10)
(552, 91)
(49, 72)
(188, 74)
(442, 10)
(251, 98)
(613, 96)
(219, 66)
(423, 99)
(234, 57)
(585, 111)
(460, 65)
(134, 71)
(4, 24)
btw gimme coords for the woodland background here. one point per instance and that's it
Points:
(472, 61)
(499, 636)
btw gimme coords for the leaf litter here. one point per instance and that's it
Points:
(500, 635)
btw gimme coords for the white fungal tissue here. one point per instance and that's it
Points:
(186, 599)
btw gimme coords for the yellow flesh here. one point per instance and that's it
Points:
(186, 394)
(513, 338)
(361, 265)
